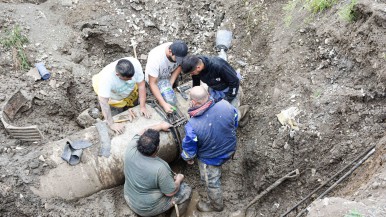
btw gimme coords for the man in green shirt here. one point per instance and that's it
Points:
(150, 186)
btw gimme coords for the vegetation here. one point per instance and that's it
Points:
(353, 213)
(347, 12)
(15, 40)
(316, 94)
(316, 6)
(288, 9)
(253, 16)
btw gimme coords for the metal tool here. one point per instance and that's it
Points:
(176, 119)
(182, 90)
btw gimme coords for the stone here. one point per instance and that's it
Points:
(52, 83)
(149, 23)
(143, 57)
(41, 158)
(85, 120)
(34, 74)
(77, 56)
(34, 164)
(66, 3)
(242, 63)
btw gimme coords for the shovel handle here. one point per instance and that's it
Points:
(122, 120)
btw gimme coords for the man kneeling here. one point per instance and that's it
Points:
(150, 187)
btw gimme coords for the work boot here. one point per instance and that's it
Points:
(243, 115)
(208, 207)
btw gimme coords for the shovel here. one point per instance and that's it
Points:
(243, 212)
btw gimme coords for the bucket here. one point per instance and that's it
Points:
(223, 39)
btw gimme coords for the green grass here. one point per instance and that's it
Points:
(316, 94)
(15, 40)
(288, 10)
(316, 6)
(347, 12)
(252, 19)
(353, 213)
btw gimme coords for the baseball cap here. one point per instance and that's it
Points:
(179, 49)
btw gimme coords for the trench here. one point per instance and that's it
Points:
(342, 103)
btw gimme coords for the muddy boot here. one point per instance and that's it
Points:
(203, 206)
(243, 115)
(216, 203)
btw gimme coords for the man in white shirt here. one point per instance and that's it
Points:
(163, 62)
(119, 85)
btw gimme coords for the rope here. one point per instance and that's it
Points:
(177, 211)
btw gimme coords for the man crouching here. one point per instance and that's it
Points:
(151, 188)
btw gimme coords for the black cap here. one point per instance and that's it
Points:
(179, 49)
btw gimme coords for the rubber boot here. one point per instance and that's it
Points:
(215, 203)
(243, 117)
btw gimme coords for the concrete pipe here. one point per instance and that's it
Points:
(95, 173)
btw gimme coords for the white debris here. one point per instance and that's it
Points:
(41, 158)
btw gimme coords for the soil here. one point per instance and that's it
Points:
(331, 70)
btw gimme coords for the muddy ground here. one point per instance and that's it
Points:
(332, 70)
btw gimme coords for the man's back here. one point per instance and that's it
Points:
(216, 132)
(147, 180)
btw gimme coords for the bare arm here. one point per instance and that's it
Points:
(106, 111)
(175, 74)
(157, 93)
(177, 182)
(162, 126)
(142, 99)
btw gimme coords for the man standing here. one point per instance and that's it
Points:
(211, 137)
(119, 85)
(150, 186)
(223, 81)
(163, 64)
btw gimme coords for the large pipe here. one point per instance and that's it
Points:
(95, 173)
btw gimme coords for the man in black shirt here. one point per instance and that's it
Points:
(223, 81)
